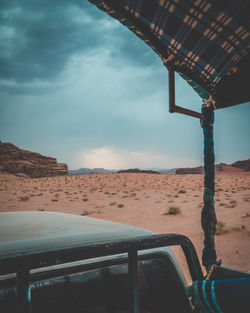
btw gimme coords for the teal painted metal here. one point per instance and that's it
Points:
(23, 292)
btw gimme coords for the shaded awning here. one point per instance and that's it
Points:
(206, 42)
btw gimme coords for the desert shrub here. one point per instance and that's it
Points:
(86, 212)
(246, 215)
(120, 205)
(182, 191)
(85, 199)
(220, 228)
(233, 204)
(173, 210)
(24, 198)
(239, 228)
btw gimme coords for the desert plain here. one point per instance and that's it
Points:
(144, 200)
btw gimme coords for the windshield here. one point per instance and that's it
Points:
(105, 290)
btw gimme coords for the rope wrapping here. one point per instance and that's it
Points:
(208, 216)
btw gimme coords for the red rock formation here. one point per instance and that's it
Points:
(16, 161)
(245, 165)
(221, 168)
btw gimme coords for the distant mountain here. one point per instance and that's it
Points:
(236, 167)
(239, 166)
(190, 170)
(245, 165)
(168, 171)
(84, 170)
(136, 170)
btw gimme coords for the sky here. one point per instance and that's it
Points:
(77, 85)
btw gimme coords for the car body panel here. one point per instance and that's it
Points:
(23, 232)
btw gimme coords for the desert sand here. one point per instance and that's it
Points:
(143, 200)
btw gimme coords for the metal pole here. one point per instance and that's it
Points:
(171, 87)
(133, 281)
(23, 297)
(175, 108)
(208, 217)
(181, 110)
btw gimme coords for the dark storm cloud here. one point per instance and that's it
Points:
(40, 37)
(131, 50)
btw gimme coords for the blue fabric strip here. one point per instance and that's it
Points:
(222, 296)
(205, 296)
(214, 298)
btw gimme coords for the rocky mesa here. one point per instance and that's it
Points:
(14, 160)
(222, 168)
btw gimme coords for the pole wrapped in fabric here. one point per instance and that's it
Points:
(208, 216)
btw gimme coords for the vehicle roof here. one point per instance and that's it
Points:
(22, 232)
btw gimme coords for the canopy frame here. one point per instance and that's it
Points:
(173, 108)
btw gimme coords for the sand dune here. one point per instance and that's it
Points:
(143, 200)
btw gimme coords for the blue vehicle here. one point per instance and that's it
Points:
(55, 262)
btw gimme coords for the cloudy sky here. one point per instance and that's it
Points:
(77, 85)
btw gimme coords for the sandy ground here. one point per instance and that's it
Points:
(143, 200)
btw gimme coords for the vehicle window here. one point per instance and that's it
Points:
(105, 290)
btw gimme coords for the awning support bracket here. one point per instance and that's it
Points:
(172, 106)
